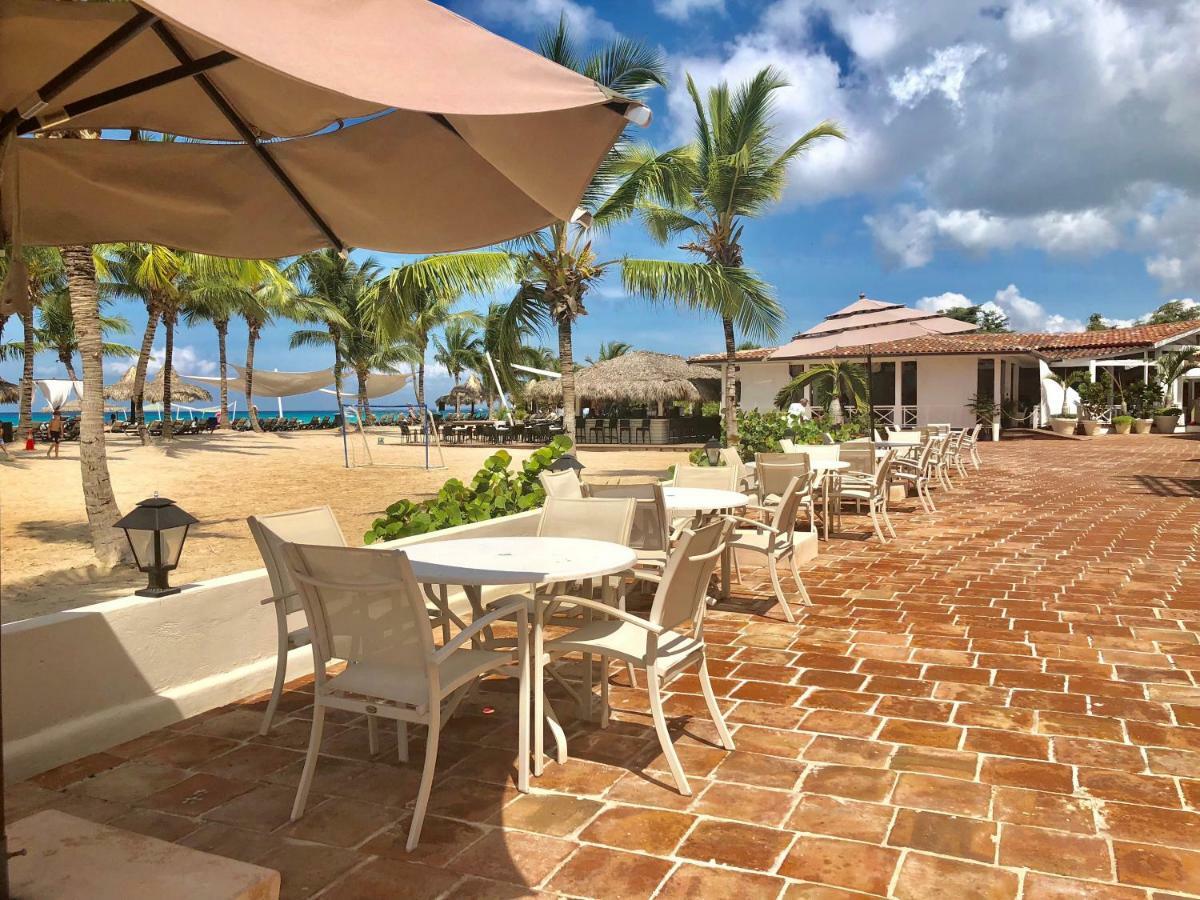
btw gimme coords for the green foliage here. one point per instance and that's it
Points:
(760, 432)
(1175, 311)
(1168, 411)
(1093, 396)
(1096, 322)
(495, 491)
(1143, 398)
(983, 407)
(1122, 420)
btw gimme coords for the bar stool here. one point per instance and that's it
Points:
(625, 428)
(643, 431)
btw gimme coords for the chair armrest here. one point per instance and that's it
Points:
(758, 526)
(516, 604)
(614, 612)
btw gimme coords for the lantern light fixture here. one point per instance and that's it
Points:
(156, 530)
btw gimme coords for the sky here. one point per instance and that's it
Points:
(1039, 155)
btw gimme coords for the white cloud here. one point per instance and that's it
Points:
(1022, 313)
(185, 360)
(943, 302)
(583, 21)
(681, 10)
(1047, 124)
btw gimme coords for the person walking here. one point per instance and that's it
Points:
(56, 433)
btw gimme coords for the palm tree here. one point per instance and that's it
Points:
(46, 275)
(1172, 364)
(56, 331)
(457, 349)
(733, 170)
(610, 350)
(843, 380)
(101, 504)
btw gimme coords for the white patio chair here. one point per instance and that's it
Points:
(861, 458)
(775, 473)
(823, 452)
(721, 478)
(778, 540)
(669, 641)
(746, 480)
(317, 525)
(872, 492)
(957, 440)
(365, 607)
(971, 446)
(787, 445)
(561, 484)
(917, 472)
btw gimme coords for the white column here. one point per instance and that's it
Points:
(996, 398)
(898, 411)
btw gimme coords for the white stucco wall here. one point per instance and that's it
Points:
(83, 680)
(761, 381)
(944, 386)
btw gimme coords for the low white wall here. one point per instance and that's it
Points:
(80, 681)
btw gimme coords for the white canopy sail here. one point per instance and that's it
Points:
(59, 391)
(379, 384)
(271, 384)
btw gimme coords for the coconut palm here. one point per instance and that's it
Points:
(56, 331)
(734, 169)
(46, 276)
(610, 350)
(844, 381)
(1172, 364)
(457, 349)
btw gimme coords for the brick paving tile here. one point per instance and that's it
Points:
(1003, 702)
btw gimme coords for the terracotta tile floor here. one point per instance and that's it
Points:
(1001, 703)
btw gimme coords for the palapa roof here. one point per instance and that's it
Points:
(123, 389)
(471, 391)
(9, 392)
(639, 376)
(181, 391)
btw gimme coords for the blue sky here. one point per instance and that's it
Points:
(1041, 155)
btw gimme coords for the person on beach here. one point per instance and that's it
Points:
(56, 433)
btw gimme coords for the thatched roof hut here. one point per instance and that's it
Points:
(181, 391)
(639, 377)
(9, 392)
(469, 392)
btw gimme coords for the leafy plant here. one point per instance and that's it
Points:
(1143, 398)
(844, 380)
(1066, 382)
(761, 432)
(1168, 411)
(983, 407)
(1122, 420)
(495, 491)
(1094, 396)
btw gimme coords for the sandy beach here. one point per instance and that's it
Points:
(46, 563)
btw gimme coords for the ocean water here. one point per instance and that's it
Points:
(304, 415)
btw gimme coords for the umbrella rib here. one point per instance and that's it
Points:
(247, 135)
(105, 48)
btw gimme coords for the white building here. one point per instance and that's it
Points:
(926, 367)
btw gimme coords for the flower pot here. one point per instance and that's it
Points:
(1064, 427)
(1122, 427)
(1091, 427)
(1165, 424)
(1142, 426)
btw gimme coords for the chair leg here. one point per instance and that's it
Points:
(805, 599)
(714, 711)
(875, 522)
(664, 736)
(310, 761)
(621, 606)
(280, 673)
(372, 734)
(431, 750)
(402, 740)
(779, 596)
(603, 691)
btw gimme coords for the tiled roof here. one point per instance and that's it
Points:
(742, 355)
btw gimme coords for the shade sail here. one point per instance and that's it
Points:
(59, 391)
(389, 124)
(379, 384)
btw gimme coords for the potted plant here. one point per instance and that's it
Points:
(1143, 398)
(1166, 418)
(1093, 402)
(1064, 423)
(1122, 424)
(985, 413)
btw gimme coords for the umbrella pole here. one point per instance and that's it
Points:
(870, 395)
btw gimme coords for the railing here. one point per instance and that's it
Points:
(886, 416)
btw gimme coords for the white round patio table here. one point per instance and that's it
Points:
(685, 499)
(473, 563)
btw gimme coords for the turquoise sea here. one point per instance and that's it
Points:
(303, 415)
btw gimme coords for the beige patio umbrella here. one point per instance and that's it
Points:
(389, 124)
(640, 377)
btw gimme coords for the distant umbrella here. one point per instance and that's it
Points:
(181, 391)
(123, 389)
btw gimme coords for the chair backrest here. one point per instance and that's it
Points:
(884, 471)
(824, 452)
(362, 605)
(784, 519)
(561, 484)
(731, 457)
(939, 427)
(912, 437)
(722, 478)
(680, 595)
(776, 470)
(827, 438)
(861, 458)
(787, 445)
(651, 523)
(974, 436)
(597, 519)
(317, 525)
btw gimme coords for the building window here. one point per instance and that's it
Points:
(985, 379)
(795, 369)
(908, 382)
(883, 383)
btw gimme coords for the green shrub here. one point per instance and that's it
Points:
(494, 491)
(1122, 420)
(1168, 411)
(1144, 398)
(760, 432)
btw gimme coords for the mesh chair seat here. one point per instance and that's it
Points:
(400, 683)
(628, 643)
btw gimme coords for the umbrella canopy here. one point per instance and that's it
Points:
(389, 124)
(181, 391)
(123, 389)
(9, 392)
(639, 376)
(469, 392)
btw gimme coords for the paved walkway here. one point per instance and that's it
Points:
(1001, 703)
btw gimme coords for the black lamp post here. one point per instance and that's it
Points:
(156, 529)
(712, 449)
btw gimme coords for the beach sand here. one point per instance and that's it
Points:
(46, 563)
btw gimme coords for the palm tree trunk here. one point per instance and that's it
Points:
(250, 410)
(169, 329)
(364, 403)
(25, 415)
(107, 541)
(730, 411)
(139, 374)
(566, 363)
(64, 357)
(222, 333)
